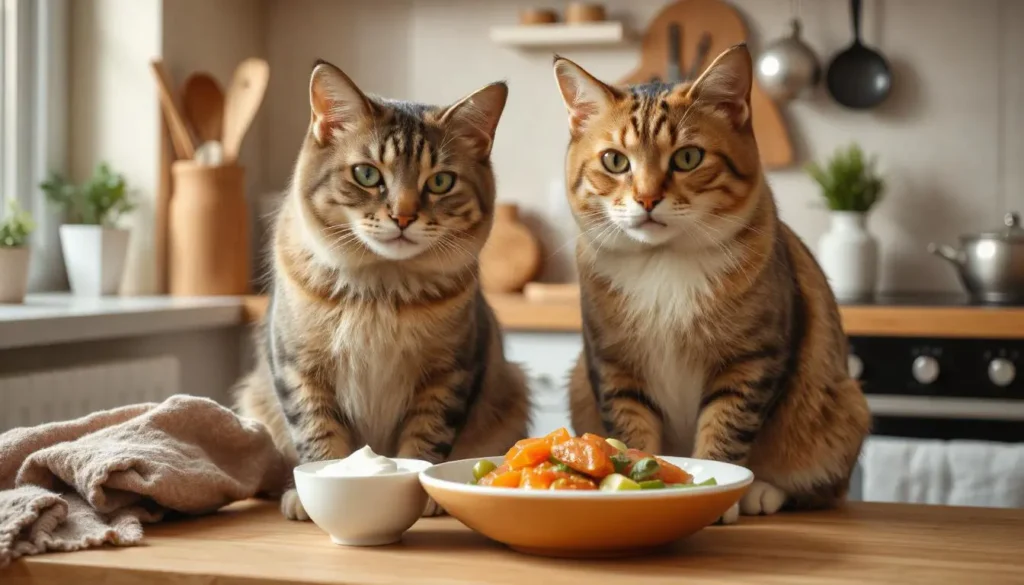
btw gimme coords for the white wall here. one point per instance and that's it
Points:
(113, 110)
(949, 139)
(115, 114)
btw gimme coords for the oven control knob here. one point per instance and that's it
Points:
(925, 369)
(1001, 372)
(855, 366)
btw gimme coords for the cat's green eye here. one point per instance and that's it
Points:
(615, 161)
(366, 175)
(687, 158)
(441, 183)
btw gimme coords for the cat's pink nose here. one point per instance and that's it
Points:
(648, 201)
(403, 221)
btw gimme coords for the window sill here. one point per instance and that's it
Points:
(49, 318)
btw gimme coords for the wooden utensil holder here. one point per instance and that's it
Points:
(208, 231)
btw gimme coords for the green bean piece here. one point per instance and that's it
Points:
(644, 469)
(652, 484)
(621, 461)
(482, 468)
(563, 468)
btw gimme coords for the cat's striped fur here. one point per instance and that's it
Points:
(709, 329)
(377, 332)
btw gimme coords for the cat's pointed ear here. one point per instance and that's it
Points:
(584, 95)
(335, 101)
(725, 85)
(475, 117)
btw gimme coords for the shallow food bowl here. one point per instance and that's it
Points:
(587, 523)
(363, 511)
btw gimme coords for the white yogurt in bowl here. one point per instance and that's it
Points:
(362, 463)
(364, 499)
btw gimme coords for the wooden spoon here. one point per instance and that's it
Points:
(245, 94)
(203, 102)
(184, 145)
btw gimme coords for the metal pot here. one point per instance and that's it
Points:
(990, 264)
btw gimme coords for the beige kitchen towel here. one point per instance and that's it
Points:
(71, 485)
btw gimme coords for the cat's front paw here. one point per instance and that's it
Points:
(432, 509)
(731, 515)
(762, 498)
(291, 507)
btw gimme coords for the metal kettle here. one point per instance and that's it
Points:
(990, 264)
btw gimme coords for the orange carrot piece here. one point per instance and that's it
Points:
(670, 473)
(584, 456)
(558, 436)
(528, 452)
(510, 479)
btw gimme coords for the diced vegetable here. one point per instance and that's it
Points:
(617, 444)
(585, 457)
(528, 452)
(573, 482)
(559, 461)
(622, 463)
(600, 443)
(558, 436)
(617, 482)
(482, 468)
(706, 482)
(644, 469)
(670, 473)
(510, 479)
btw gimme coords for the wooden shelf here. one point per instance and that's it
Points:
(517, 313)
(550, 36)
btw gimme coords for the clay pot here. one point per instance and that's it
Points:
(512, 256)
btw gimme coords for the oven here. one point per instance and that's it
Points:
(943, 408)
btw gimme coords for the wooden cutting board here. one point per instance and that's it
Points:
(725, 27)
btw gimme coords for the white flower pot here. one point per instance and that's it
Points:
(13, 274)
(848, 255)
(94, 257)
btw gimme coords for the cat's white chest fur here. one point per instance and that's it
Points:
(374, 382)
(661, 289)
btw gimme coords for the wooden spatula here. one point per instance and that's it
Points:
(244, 96)
(203, 102)
(184, 145)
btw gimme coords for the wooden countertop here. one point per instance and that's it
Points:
(250, 543)
(516, 313)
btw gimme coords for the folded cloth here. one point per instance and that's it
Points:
(955, 473)
(92, 481)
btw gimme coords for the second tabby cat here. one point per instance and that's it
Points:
(709, 329)
(377, 332)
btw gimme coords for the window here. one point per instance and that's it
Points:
(34, 37)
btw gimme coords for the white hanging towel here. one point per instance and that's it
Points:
(955, 473)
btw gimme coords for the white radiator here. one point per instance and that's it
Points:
(54, 395)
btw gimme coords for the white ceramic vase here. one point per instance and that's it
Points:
(94, 257)
(13, 274)
(848, 255)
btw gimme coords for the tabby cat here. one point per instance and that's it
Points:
(377, 332)
(709, 329)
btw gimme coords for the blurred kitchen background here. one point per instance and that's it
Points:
(948, 140)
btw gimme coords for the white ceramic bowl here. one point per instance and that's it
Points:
(363, 511)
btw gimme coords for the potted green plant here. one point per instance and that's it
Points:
(15, 228)
(94, 247)
(848, 252)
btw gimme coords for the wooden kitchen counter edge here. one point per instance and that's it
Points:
(516, 313)
(251, 544)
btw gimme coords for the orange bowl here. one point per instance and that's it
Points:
(586, 523)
